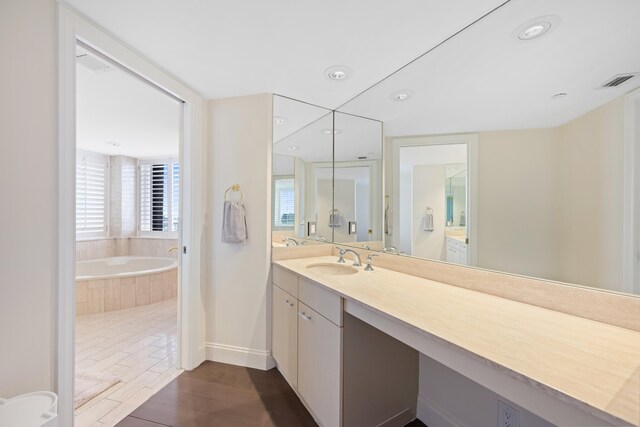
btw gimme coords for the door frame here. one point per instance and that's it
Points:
(471, 139)
(631, 219)
(72, 26)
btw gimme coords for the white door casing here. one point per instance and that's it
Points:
(72, 27)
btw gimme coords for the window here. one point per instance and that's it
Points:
(159, 204)
(92, 186)
(283, 203)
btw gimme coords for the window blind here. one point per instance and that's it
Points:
(283, 203)
(159, 189)
(91, 194)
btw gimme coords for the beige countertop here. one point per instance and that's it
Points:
(592, 364)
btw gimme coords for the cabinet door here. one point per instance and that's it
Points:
(285, 334)
(452, 254)
(320, 366)
(462, 255)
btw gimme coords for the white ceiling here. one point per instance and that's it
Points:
(357, 137)
(485, 79)
(115, 107)
(231, 48)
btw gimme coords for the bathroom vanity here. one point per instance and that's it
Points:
(345, 371)
(567, 369)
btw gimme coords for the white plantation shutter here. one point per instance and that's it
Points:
(283, 202)
(159, 189)
(91, 194)
(175, 197)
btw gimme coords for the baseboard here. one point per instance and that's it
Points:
(434, 416)
(400, 419)
(240, 356)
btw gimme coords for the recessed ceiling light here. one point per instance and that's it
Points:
(559, 96)
(293, 147)
(401, 95)
(337, 73)
(279, 120)
(536, 28)
(328, 131)
(112, 143)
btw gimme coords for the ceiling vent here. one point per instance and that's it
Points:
(92, 63)
(618, 80)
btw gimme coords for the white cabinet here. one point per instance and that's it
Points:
(319, 362)
(285, 334)
(456, 251)
(309, 324)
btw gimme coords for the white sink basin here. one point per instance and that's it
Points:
(333, 269)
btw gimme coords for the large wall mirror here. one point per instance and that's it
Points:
(302, 173)
(505, 145)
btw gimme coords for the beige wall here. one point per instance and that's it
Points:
(238, 326)
(518, 199)
(28, 134)
(550, 201)
(592, 197)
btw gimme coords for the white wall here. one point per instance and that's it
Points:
(239, 151)
(28, 248)
(428, 191)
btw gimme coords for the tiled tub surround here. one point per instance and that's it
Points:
(134, 246)
(103, 294)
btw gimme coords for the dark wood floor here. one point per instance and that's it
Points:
(215, 394)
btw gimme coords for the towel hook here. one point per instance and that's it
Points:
(235, 188)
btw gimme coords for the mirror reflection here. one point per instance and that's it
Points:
(537, 185)
(302, 194)
(356, 215)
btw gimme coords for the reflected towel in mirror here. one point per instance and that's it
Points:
(335, 219)
(234, 223)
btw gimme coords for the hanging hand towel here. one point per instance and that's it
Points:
(428, 220)
(234, 223)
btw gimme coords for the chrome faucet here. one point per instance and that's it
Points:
(290, 239)
(343, 252)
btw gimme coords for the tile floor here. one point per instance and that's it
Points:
(139, 346)
(220, 395)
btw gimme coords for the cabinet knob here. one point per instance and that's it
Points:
(304, 316)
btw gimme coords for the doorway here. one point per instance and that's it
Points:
(128, 191)
(433, 191)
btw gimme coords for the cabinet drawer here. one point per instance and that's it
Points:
(285, 279)
(321, 300)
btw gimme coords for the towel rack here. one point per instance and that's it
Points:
(234, 188)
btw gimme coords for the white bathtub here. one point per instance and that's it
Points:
(119, 283)
(124, 266)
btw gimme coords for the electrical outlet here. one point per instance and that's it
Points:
(507, 416)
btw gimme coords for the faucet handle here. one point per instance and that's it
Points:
(342, 252)
(369, 267)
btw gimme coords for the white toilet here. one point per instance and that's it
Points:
(37, 409)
